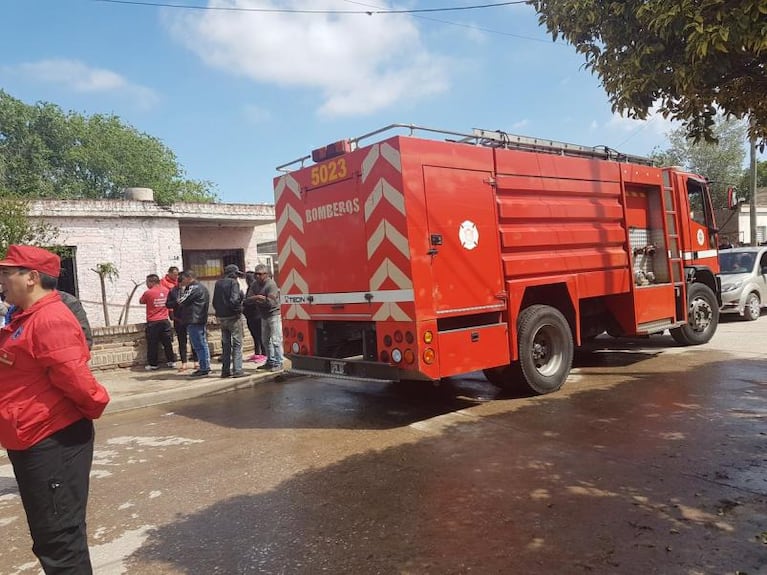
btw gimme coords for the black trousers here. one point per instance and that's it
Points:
(53, 479)
(254, 327)
(182, 338)
(159, 332)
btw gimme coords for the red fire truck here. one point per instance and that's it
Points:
(418, 258)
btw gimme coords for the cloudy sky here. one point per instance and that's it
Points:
(239, 90)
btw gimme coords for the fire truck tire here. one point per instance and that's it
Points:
(703, 317)
(507, 377)
(545, 345)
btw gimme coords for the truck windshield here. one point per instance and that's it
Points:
(700, 208)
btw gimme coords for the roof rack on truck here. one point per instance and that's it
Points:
(479, 137)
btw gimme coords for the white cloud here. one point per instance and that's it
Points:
(358, 63)
(257, 114)
(79, 77)
(520, 124)
(655, 122)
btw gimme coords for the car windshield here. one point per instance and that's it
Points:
(736, 262)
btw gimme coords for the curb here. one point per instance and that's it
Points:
(195, 388)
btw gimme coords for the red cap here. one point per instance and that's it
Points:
(32, 258)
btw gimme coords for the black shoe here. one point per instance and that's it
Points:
(225, 374)
(199, 373)
(239, 374)
(265, 367)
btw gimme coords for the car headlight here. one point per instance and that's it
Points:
(732, 286)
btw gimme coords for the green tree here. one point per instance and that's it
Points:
(694, 59)
(106, 271)
(721, 163)
(17, 228)
(47, 153)
(744, 187)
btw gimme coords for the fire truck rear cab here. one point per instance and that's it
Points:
(414, 258)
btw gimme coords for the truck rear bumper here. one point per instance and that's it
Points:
(349, 369)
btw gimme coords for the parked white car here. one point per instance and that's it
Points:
(744, 281)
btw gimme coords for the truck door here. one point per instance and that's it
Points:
(463, 236)
(702, 242)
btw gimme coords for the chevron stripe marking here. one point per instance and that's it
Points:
(370, 161)
(289, 182)
(294, 279)
(296, 311)
(289, 214)
(292, 247)
(390, 310)
(384, 190)
(388, 231)
(387, 270)
(391, 155)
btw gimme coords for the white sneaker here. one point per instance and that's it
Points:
(171, 364)
(151, 367)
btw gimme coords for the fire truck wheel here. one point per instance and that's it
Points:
(702, 317)
(507, 377)
(753, 308)
(545, 345)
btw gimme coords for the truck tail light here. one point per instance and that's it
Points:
(409, 356)
(428, 355)
(428, 337)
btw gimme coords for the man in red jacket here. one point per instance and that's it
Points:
(48, 399)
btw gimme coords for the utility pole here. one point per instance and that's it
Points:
(752, 182)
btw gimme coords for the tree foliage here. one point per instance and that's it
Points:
(721, 163)
(693, 58)
(761, 179)
(17, 228)
(47, 153)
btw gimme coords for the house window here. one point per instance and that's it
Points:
(210, 264)
(68, 276)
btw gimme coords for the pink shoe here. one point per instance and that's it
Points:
(260, 358)
(253, 357)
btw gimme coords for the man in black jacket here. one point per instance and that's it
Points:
(227, 303)
(193, 304)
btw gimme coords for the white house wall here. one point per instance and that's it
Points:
(135, 246)
(744, 223)
(141, 237)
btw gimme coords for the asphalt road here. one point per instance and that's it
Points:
(652, 459)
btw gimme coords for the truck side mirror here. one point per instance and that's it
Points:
(733, 201)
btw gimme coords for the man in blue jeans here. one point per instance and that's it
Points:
(193, 304)
(227, 302)
(266, 296)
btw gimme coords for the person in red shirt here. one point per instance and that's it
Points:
(158, 328)
(48, 401)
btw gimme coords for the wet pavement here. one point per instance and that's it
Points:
(652, 459)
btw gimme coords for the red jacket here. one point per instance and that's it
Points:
(45, 382)
(168, 282)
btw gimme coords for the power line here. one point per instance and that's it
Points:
(472, 26)
(300, 11)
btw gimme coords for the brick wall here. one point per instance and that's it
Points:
(125, 346)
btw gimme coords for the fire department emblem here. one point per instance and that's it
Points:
(469, 235)
(701, 237)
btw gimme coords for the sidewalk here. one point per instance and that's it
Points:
(132, 388)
